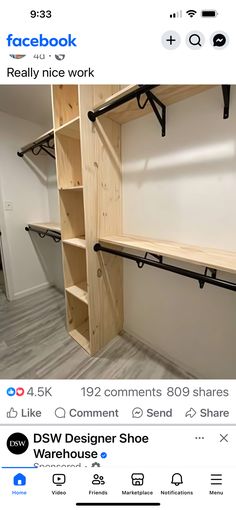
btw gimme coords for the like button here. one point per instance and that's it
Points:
(12, 413)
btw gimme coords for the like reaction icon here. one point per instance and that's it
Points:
(11, 392)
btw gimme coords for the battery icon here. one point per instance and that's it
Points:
(209, 14)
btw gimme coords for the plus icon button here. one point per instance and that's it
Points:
(171, 40)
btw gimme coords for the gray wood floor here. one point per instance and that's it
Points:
(35, 344)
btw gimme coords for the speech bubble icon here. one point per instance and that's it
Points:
(60, 412)
(219, 40)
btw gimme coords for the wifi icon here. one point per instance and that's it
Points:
(191, 13)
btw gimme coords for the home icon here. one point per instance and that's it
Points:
(19, 480)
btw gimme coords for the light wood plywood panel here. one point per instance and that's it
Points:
(101, 166)
(65, 104)
(68, 157)
(72, 214)
(207, 257)
(167, 94)
(107, 153)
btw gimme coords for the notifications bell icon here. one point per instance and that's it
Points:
(177, 479)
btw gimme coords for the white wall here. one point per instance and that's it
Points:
(24, 182)
(182, 188)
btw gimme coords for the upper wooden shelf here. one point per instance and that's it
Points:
(207, 257)
(71, 129)
(76, 241)
(47, 226)
(167, 94)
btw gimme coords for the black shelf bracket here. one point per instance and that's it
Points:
(56, 236)
(158, 263)
(46, 144)
(226, 96)
(135, 94)
(213, 274)
(155, 102)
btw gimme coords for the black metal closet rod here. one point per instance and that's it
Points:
(42, 233)
(39, 144)
(114, 103)
(141, 261)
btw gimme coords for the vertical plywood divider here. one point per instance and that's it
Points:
(101, 168)
(89, 181)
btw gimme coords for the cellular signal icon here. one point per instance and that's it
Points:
(177, 14)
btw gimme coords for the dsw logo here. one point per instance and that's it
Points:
(17, 443)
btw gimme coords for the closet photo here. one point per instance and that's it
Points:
(117, 213)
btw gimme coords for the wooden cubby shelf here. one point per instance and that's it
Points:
(76, 241)
(207, 257)
(68, 161)
(79, 291)
(81, 335)
(72, 188)
(75, 270)
(72, 214)
(70, 129)
(78, 321)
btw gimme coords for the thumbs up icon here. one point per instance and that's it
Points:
(12, 413)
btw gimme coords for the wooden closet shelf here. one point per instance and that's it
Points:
(47, 226)
(207, 257)
(79, 291)
(70, 129)
(167, 94)
(76, 241)
(40, 139)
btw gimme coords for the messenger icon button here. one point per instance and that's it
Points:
(219, 40)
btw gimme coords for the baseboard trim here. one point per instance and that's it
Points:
(32, 290)
(163, 356)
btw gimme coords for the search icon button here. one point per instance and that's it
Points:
(195, 40)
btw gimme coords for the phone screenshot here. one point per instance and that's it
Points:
(117, 255)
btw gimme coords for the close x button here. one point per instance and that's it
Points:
(224, 438)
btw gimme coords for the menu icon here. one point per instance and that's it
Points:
(216, 479)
